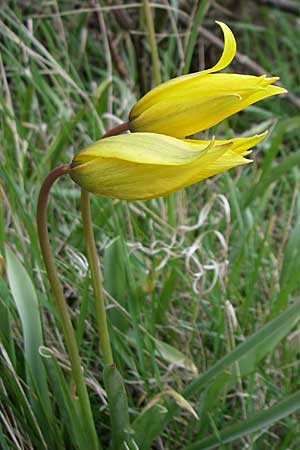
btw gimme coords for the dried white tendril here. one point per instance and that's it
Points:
(78, 261)
(198, 262)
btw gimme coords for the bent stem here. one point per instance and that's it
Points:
(61, 303)
(96, 277)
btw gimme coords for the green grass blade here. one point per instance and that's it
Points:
(250, 352)
(247, 355)
(192, 40)
(261, 421)
(274, 174)
(71, 423)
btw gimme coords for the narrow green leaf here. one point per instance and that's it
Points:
(274, 174)
(70, 419)
(147, 426)
(199, 16)
(247, 355)
(289, 276)
(250, 352)
(60, 141)
(261, 421)
(281, 130)
(6, 322)
(118, 406)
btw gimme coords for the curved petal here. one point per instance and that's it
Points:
(143, 148)
(114, 178)
(183, 118)
(174, 86)
(229, 49)
(240, 146)
(199, 106)
(123, 179)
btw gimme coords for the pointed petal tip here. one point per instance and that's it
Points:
(271, 80)
(262, 135)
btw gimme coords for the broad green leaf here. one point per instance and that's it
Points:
(118, 406)
(27, 305)
(115, 263)
(261, 421)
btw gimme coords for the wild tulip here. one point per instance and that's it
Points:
(139, 166)
(151, 161)
(195, 102)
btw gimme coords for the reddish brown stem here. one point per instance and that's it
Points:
(57, 290)
(117, 130)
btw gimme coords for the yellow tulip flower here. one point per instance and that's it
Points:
(195, 102)
(138, 166)
(151, 161)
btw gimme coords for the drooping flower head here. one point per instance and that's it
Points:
(151, 161)
(139, 166)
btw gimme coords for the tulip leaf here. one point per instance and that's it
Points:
(27, 305)
(118, 406)
(261, 421)
(114, 262)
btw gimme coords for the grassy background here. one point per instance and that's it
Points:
(189, 276)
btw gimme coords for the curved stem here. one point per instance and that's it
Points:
(96, 277)
(61, 303)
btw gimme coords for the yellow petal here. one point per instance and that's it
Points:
(229, 50)
(202, 104)
(195, 102)
(174, 86)
(105, 173)
(238, 145)
(181, 117)
(143, 148)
